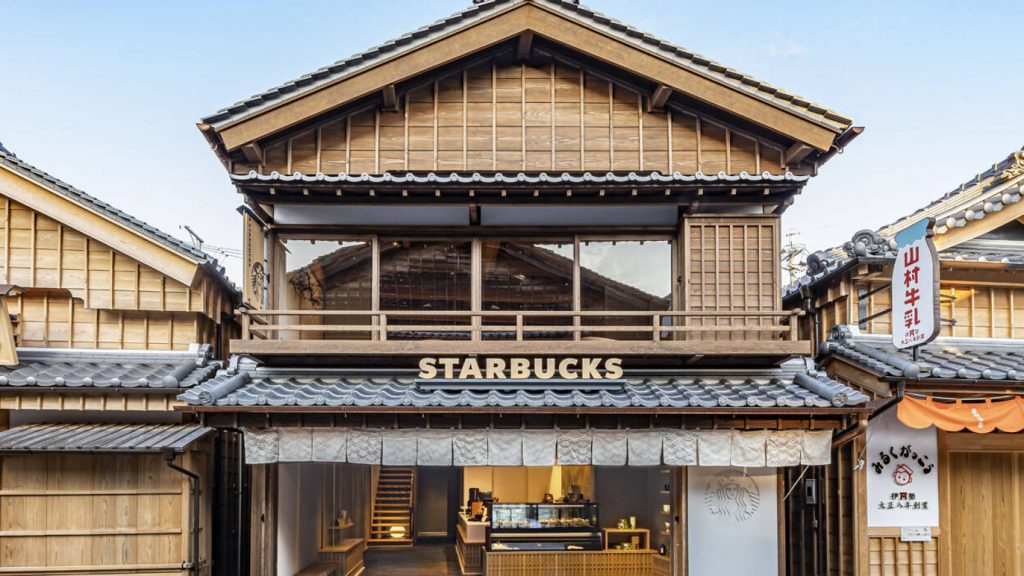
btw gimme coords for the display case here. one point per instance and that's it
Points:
(538, 527)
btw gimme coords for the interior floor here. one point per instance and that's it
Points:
(419, 560)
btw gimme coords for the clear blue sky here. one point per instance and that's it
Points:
(105, 94)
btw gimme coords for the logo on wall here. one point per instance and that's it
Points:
(257, 277)
(732, 496)
(902, 475)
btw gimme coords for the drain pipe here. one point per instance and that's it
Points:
(193, 480)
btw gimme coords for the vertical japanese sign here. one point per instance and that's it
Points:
(903, 476)
(255, 272)
(915, 287)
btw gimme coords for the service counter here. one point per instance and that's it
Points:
(470, 542)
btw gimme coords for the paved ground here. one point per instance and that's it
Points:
(419, 560)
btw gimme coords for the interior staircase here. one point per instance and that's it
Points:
(393, 504)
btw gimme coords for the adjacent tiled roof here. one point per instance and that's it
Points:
(945, 358)
(596, 178)
(989, 192)
(19, 166)
(787, 387)
(484, 10)
(73, 368)
(972, 200)
(104, 438)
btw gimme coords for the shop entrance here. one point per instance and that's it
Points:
(380, 520)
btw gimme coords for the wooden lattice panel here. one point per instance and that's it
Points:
(603, 563)
(888, 556)
(730, 264)
(506, 115)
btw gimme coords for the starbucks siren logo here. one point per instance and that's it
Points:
(732, 497)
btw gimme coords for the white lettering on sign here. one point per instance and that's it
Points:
(915, 287)
(520, 368)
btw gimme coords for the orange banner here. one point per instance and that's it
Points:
(981, 417)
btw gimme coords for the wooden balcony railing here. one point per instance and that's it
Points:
(528, 327)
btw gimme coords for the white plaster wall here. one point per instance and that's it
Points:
(298, 515)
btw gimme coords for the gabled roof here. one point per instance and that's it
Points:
(147, 232)
(992, 196)
(967, 359)
(693, 74)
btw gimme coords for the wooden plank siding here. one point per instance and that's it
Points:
(503, 115)
(979, 310)
(82, 514)
(55, 319)
(41, 253)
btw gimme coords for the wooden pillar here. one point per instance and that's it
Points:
(263, 510)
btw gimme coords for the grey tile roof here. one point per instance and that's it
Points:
(596, 178)
(991, 191)
(787, 387)
(102, 438)
(483, 10)
(966, 359)
(73, 368)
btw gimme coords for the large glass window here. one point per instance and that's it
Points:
(524, 276)
(533, 279)
(625, 276)
(426, 276)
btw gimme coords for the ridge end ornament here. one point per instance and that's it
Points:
(915, 287)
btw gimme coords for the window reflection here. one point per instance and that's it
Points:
(527, 277)
(426, 276)
(625, 276)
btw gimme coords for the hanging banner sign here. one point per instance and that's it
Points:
(915, 287)
(903, 476)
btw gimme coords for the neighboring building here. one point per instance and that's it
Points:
(528, 250)
(963, 389)
(107, 320)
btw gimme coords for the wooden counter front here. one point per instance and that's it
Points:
(589, 563)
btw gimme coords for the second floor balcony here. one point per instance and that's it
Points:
(539, 296)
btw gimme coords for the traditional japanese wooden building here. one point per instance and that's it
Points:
(105, 321)
(526, 258)
(959, 404)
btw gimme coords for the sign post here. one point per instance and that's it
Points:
(915, 287)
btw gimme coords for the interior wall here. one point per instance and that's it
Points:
(300, 510)
(624, 491)
(437, 490)
(526, 484)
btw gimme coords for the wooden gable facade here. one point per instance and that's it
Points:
(509, 114)
(86, 282)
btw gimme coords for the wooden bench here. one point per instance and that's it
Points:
(347, 556)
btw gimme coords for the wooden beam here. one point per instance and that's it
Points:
(525, 45)
(796, 153)
(474, 215)
(975, 228)
(253, 152)
(390, 98)
(739, 348)
(656, 102)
